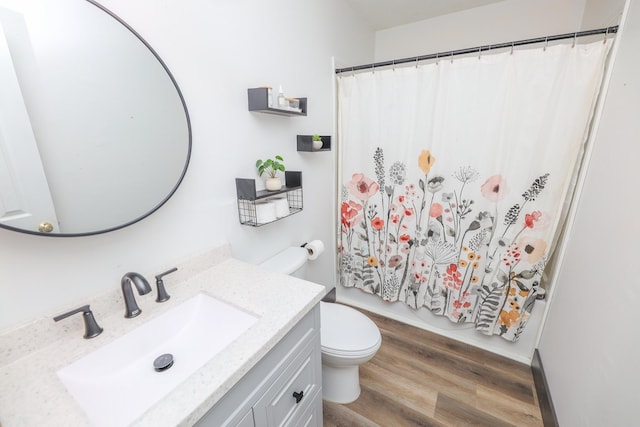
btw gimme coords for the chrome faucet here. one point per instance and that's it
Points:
(131, 307)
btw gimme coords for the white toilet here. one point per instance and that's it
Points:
(348, 338)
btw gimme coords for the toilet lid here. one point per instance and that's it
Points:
(287, 261)
(345, 330)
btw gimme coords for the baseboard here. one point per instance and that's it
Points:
(542, 389)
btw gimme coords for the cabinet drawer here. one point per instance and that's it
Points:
(311, 416)
(303, 376)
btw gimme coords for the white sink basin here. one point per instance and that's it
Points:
(117, 383)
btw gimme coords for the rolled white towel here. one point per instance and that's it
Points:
(265, 212)
(282, 206)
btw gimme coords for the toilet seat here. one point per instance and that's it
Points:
(345, 332)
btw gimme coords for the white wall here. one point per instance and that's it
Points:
(602, 13)
(500, 22)
(216, 50)
(589, 345)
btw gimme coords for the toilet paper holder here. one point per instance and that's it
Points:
(314, 248)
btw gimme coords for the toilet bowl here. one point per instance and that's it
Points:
(348, 338)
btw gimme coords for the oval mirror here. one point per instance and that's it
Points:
(94, 131)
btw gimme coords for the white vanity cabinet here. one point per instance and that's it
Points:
(282, 389)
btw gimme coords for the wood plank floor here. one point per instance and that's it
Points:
(419, 378)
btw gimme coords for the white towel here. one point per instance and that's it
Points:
(265, 212)
(282, 206)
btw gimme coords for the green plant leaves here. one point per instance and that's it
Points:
(270, 166)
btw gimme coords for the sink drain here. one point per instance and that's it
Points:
(163, 362)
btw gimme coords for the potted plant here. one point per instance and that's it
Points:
(271, 167)
(316, 142)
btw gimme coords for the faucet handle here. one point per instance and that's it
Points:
(162, 292)
(91, 327)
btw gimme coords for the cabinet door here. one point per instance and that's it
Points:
(247, 420)
(294, 391)
(233, 420)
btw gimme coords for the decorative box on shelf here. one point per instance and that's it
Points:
(305, 143)
(258, 208)
(259, 101)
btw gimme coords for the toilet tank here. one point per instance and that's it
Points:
(291, 261)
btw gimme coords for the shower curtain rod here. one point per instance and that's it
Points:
(479, 49)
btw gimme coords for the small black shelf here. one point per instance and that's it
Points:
(248, 196)
(305, 143)
(259, 101)
(246, 187)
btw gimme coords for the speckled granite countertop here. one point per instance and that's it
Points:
(31, 394)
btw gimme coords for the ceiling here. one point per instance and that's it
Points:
(381, 14)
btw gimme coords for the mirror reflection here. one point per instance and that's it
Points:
(94, 133)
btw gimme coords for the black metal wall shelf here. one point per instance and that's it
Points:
(305, 143)
(259, 101)
(248, 198)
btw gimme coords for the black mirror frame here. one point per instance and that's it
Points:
(186, 165)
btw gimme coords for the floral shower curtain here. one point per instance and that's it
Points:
(454, 176)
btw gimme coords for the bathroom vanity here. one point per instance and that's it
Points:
(269, 375)
(283, 389)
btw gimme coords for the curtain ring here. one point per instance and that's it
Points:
(606, 33)
(393, 64)
(546, 43)
(437, 59)
(373, 69)
(512, 44)
(416, 62)
(575, 37)
(452, 57)
(479, 53)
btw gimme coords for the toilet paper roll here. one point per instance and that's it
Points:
(282, 206)
(314, 248)
(265, 212)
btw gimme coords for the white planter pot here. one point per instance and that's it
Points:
(273, 184)
(317, 145)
